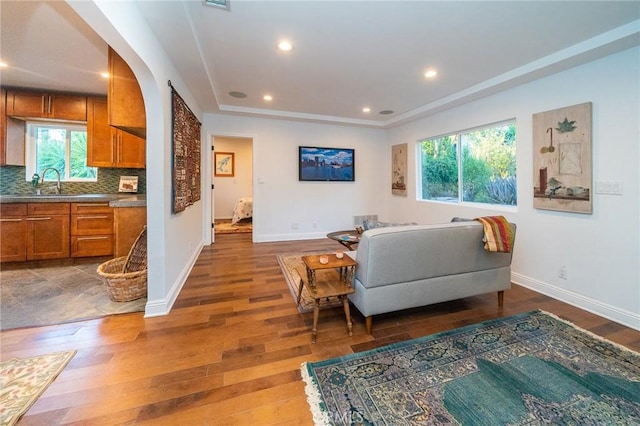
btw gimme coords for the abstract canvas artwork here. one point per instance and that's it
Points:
(186, 154)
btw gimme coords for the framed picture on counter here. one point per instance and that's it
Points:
(128, 184)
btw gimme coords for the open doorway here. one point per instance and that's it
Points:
(232, 185)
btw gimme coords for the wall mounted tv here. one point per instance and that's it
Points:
(326, 164)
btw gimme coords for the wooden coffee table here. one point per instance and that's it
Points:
(331, 279)
(348, 238)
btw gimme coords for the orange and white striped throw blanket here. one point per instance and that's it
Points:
(498, 234)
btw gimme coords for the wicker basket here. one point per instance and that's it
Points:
(126, 277)
(123, 287)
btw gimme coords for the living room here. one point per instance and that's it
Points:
(596, 248)
(600, 251)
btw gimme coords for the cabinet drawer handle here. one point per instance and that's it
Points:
(10, 220)
(38, 218)
(93, 205)
(92, 238)
(93, 217)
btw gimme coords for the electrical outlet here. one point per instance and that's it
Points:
(563, 272)
(315, 225)
(294, 226)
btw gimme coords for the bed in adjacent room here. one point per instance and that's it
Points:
(242, 210)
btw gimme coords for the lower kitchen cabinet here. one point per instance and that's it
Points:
(47, 231)
(13, 231)
(35, 231)
(128, 223)
(91, 229)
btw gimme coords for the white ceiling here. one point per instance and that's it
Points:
(347, 55)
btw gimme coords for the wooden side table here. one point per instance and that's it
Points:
(331, 279)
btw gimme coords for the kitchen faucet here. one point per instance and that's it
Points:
(58, 189)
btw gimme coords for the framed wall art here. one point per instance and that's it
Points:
(562, 169)
(225, 164)
(399, 169)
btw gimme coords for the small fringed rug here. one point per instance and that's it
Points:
(226, 227)
(532, 368)
(290, 265)
(23, 380)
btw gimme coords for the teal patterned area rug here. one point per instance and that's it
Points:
(528, 369)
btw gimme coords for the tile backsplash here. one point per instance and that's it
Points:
(12, 181)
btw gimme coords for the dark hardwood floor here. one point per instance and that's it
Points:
(231, 348)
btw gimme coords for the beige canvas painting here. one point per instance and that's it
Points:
(562, 171)
(399, 169)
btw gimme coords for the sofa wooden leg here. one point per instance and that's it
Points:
(368, 323)
(500, 298)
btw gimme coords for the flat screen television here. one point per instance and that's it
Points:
(326, 164)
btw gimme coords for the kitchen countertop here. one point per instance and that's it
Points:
(115, 200)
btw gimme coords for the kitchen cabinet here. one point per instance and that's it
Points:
(108, 146)
(48, 105)
(13, 230)
(126, 104)
(12, 133)
(47, 231)
(91, 229)
(128, 223)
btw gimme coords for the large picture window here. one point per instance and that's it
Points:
(60, 146)
(474, 166)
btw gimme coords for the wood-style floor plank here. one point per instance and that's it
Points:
(230, 351)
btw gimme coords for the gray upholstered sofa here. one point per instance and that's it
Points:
(409, 266)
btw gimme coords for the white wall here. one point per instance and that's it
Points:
(281, 202)
(601, 250)
(174, 240)
(228, 190)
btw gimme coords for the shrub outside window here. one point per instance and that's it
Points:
(61, 146)
(474, 166)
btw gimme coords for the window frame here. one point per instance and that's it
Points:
(459, 201)
(31, 127)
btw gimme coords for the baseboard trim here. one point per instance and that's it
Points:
(160, 307)
(621, 316)
(262, 238)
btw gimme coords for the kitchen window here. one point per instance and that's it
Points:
(62, 146)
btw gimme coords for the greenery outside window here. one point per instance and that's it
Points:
(62, 146)
(474, 166)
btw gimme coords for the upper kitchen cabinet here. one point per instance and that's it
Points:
(11, 136)
(108, 146)
(22, 103)
(126, 105)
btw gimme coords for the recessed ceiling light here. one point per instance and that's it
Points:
(104, 74)
(386, 111)
(3, 65)
(238, 95)
(366, 109)
(430, 73)
(285, 46)
(267, 98)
